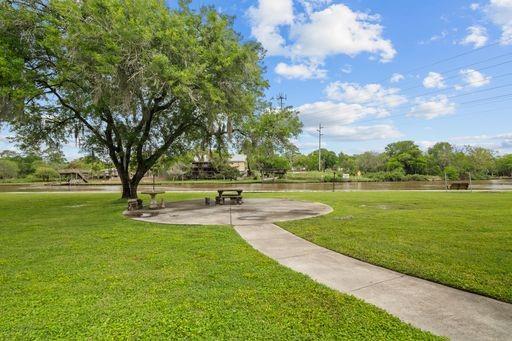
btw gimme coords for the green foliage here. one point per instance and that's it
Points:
(370, 162)
(230, 173)
(403, 161)
(440, 156)
(393, 164)
(46, 173)
(329, 160)
(26, 163)
(480, 161)
(273, 163)
(459, 239)
(266, 137)
(307, 176)
(451, 173)
(72, 267)
(347, 163)
(178, 170)
(8, 169)
(224, 171)
(134, 80)
(504, 165)
(405, 155)
(397, 174)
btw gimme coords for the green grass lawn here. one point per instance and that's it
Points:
(460, 239)
(71, 266)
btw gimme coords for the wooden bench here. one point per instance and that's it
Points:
(459, 185)
(234, 194)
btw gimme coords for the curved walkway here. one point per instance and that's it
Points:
(437, 308)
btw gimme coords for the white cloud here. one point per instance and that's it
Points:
(431, 108)
(440, 36)
(370, 94)
(499, 142)
(500, 13)
(348, 104)
(474, 78)
(300, 143)
(477, 36)
(300, 71)
(317, 33)
(426, 144)
(474, 6)
(434, 80)
(335, 113)
(339, 30)
(266, 20)
(396, 77)
(347, 68)
(358, 133)
(482, 137)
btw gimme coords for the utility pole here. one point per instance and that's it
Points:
(320, 146)
(281, 98)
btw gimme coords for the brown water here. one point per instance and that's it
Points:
(486, 185)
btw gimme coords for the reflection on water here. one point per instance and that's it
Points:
(491, 185)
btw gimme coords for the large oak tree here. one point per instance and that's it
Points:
(132, 80)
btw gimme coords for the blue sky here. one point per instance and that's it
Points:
(374, 72)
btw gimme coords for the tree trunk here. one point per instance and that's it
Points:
(129, 185)
(130, 188)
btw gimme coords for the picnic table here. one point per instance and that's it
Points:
(234, 194)
(153, 203)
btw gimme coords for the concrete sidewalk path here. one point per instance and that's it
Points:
(442, 310)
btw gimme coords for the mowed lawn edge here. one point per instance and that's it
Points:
(71, 266)
(463, 240)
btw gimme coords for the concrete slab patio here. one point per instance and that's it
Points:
(252, 212)
(430, 306)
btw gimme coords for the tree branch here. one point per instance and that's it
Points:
(75, 111)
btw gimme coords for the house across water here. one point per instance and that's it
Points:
(205, 169)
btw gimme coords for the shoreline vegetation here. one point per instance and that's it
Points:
(291, 177)
(402, 161)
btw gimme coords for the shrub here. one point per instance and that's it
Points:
(8, 169)
(451, 173)
(396, 175)
(415, 177)
(230, 173)
(46, 173)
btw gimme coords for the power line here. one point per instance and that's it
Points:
(498, 100)
(465, 114)
(409, 99)
(475, 63)
(448, 59)
(471, 71)
(463, 103)
(483, 99)
(442, 90)
(448, 71)
(480, 91)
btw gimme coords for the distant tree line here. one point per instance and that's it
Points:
(405, 160)
(33, 166)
